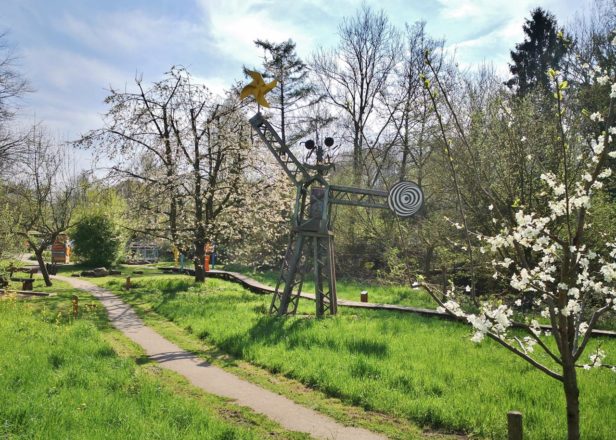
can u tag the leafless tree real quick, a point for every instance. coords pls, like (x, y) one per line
(137, 138)
(42, 194)
(13, 85)
(213, 140)
(356, 73)
(181, 149)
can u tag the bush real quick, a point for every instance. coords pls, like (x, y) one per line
(98, 240)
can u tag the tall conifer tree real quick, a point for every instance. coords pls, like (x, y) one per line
(544, 47)
(281, 61)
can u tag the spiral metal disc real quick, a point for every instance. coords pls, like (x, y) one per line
(405, 198)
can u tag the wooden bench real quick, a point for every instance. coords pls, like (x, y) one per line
(26, 283)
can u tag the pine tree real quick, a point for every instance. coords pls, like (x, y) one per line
(544, 47)
(281, 61)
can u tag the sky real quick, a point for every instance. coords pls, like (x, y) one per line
(73, 51)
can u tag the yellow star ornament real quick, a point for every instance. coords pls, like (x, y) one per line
(257, 88)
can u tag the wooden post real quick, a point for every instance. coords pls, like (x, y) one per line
(364, 296)
(75, 301)
(514, 425)
(127, 285)
(444, 280)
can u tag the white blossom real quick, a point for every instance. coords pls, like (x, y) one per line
(594, 270)
(478, 337)
(572, 307)
(529, 344)
(559, 190)
(597, 147)
(596, 116)
(605, 173)
(596, 359)
(603, 80)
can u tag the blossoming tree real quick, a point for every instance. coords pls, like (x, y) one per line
(549, 262)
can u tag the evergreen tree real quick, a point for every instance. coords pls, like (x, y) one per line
(544, 47)
(281, 61)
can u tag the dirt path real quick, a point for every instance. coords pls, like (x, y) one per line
(215, 380)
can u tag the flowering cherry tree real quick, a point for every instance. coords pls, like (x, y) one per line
(545, 256)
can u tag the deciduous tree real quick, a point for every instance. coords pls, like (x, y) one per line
(353, 76)
(13, 86)
(42, 194)
(543, 252)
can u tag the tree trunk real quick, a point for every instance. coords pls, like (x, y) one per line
(199, 237)
(39, 258)
(427, 260)
(199, 260)
(572, 394)
(357, 156)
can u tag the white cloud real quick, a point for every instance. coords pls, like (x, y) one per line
(65, 70)
(131, 32)
(462, 9)
(217, 85)
(235, 24)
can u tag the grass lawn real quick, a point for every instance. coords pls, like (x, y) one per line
(65, 378)
(411, 367)
(347, 289)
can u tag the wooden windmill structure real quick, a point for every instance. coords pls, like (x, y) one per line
(311, 240)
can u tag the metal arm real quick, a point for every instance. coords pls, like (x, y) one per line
(289, 163)
(368, 198)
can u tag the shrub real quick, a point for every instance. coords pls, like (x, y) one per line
(98, 240)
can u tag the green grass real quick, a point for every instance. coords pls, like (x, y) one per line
(350, 290)
(416, 368)
(66, 378)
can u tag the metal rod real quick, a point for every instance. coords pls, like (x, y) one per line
(358, 203)
(353, 190)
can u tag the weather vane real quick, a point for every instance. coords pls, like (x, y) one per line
(257, 88)
(311, 239)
